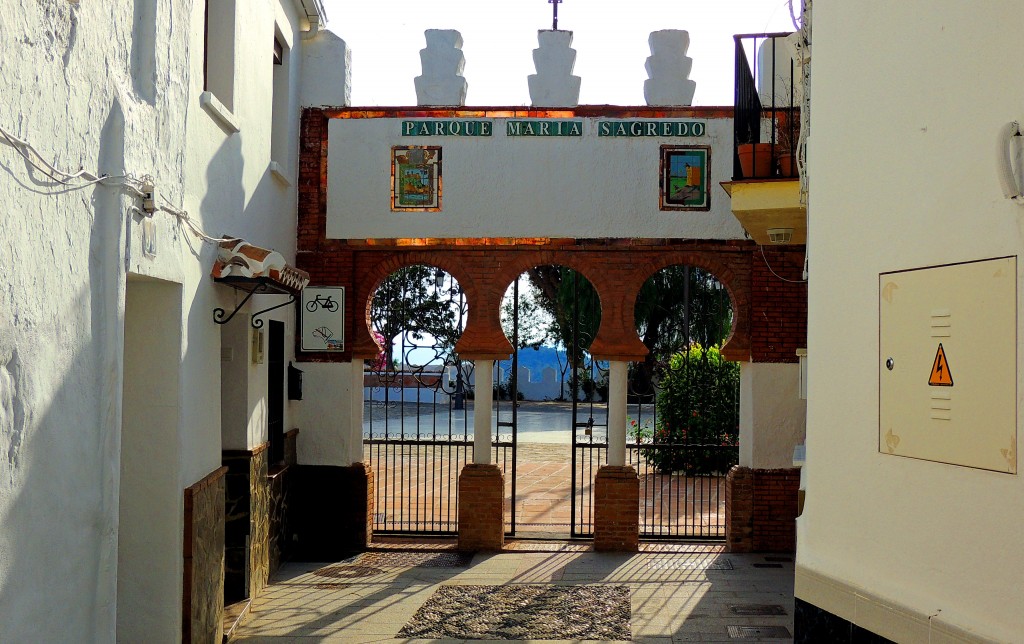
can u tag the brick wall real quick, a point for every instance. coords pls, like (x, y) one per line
(778, 307)
(616, 509)
(481, 508)
(739, 509)
(761, 509)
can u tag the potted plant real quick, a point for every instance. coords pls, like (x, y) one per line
(788, 136)
(755, 159)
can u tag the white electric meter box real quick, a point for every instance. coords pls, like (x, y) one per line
(948, 364)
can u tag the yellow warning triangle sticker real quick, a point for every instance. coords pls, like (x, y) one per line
(941, 377)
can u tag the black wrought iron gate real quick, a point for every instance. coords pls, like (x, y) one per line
(682, 455)
(418, 431)
(417, 428)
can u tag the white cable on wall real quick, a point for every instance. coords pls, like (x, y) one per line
(84, 179)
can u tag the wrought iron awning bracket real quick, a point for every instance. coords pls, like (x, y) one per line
(220, 316)
(257, 323)
(219, 313)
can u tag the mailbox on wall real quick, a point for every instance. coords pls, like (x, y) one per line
(948, 364)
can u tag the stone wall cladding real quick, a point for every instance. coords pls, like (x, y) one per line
(778, 307)
(259, 521)
(203, 553)
(616, 509)
(247, 532)
(481, 508)
(761, 509)
(485, 268)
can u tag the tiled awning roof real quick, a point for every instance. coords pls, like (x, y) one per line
(239, 263)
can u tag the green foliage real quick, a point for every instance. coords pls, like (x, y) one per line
(676, 307)
(418, 301)
(698, 406)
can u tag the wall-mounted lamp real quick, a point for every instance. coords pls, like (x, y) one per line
(780, 235)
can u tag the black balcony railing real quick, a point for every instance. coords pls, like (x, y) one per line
(767, 115)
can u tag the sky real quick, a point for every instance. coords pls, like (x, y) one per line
(610, 39)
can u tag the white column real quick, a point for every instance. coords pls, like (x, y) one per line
(483, 403)
(618, 377)
(355, 434)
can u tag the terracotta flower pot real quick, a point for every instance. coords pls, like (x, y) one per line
(787, 165)
(755, 160)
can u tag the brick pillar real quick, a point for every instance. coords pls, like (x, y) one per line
(616, 509)
(362, 515)
(775, 509)
(481, 508)
(739, 509)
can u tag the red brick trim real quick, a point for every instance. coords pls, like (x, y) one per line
(481, 508)
(761, 509)
(616, 509)
(581, 111)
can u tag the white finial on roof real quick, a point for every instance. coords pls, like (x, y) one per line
(554, 85)
(442, 82)
(668, 69)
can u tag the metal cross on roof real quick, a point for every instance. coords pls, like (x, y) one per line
(554, 5)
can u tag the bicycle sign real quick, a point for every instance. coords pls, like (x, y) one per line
(323, 318)
(322, 301)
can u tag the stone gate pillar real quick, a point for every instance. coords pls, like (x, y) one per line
(482, 483)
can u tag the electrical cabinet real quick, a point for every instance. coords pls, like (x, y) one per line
(948, 364)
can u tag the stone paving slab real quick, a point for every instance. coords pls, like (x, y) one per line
(673, 597)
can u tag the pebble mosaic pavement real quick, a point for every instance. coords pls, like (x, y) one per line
(532, 591)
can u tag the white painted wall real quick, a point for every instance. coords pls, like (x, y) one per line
(502, 186)
(149, 542)
(328, 435)
(772, 415)
(87, 92)
(908, 103)
(326, 72)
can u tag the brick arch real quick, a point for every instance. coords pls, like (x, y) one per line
(364, 345)
(524, 261)
(487, 340)
(733, 272)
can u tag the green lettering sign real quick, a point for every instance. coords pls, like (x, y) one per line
(547, 127)
(662, 129)
(458, 127)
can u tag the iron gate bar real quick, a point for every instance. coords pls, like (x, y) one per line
(419, 450)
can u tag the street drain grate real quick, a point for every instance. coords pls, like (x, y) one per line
(767, 565)
(782, 559)
(757, 609)
(759, 632)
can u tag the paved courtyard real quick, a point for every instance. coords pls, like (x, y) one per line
(532, 591)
